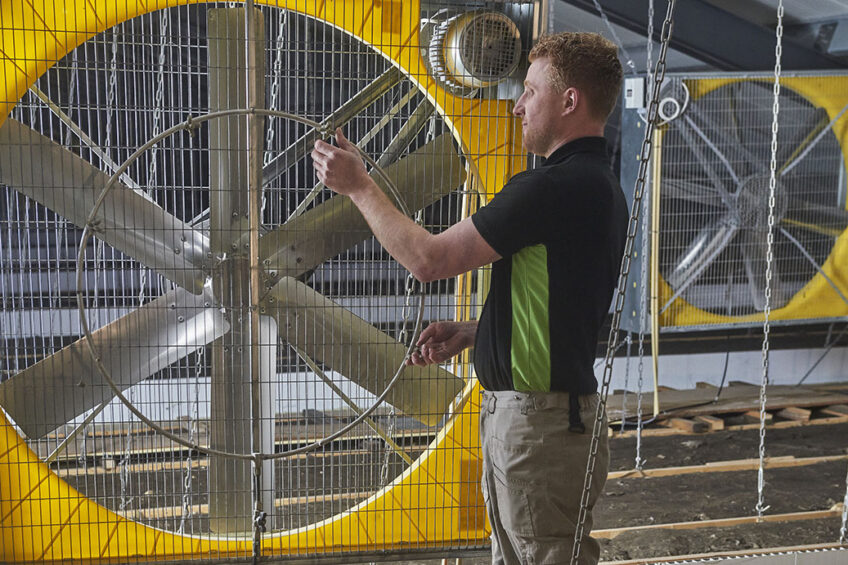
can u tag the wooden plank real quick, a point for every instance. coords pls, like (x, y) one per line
(727, 466)
(686, 425)
(729, 425)
(723, 522)
(794, 413)
(715, 424)
(163, 512)
(836, 410)
(754, 416)
(739, 398)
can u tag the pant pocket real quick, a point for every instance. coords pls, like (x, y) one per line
(514, 508)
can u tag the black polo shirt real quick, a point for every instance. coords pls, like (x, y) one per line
(560, 230)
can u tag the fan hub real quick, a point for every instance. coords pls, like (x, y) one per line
(752, 202)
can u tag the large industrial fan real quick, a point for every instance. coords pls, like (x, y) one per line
(150, 136)
(711, 177)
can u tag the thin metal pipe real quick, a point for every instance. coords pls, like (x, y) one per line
(347, 400)
(84, 137)
(71, 436)
(294, 152)
(409, 129)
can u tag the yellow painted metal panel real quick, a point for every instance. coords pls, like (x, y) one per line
(42, 518)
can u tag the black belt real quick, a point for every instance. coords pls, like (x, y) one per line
(575, 424)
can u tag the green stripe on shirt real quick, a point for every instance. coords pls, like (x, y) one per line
(531, 340)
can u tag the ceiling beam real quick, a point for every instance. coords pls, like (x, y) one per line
(714, 36)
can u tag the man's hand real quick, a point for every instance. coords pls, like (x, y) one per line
(340, 168)
(442, 340)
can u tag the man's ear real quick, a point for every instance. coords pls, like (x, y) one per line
(570, 100)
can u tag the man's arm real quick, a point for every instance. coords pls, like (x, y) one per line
(428, 257)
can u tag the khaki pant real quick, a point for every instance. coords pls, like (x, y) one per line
(533, 473)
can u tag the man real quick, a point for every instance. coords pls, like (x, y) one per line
(555, 236)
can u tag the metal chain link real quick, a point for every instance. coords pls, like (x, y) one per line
(843, 531)
(761, 508)
(629, 341)
(406, 312)
(72, 93)
(649, 48)
(639, 463)
(159, 94)
(275, 86)
(193, 423)
(633, 224)
(111, 91)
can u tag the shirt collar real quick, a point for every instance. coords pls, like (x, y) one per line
(579, 145)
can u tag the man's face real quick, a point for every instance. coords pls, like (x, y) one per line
(539, 109)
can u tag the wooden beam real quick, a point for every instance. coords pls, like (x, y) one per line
(666, 432)
(836, 410)
(163, 512)
(725, 466)
(687, 425)
(754, 415)
(795, 413)
(723, 522)
(715, 424)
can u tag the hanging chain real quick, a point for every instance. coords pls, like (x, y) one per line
(649, 48)
(633, 224)
(72, 93)
(275, 86)
(111, 91)
(409, 293)
(639, 463)
(406, 313)
(159, 94)
(843, 531)
(629, 341)
(151, 183)
(761, 508)
(193, 423)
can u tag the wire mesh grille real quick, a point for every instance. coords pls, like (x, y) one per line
(164, 280)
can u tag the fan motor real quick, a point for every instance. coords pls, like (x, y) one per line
(476, 49)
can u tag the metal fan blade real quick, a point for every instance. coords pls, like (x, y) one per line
(695, 140)
(36, 166)
(699, 255)
(354, 348)
(690, 191)
(802, 140)
(719, 126)
(754, 246)
(58, 388)
(326, 230)
(232, 157)
(816, 218)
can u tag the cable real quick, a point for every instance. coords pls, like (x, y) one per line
(624, 421)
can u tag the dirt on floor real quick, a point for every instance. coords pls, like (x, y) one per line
(638, 501)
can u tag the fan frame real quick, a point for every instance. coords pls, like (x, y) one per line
(816, 301)
(43, 519)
